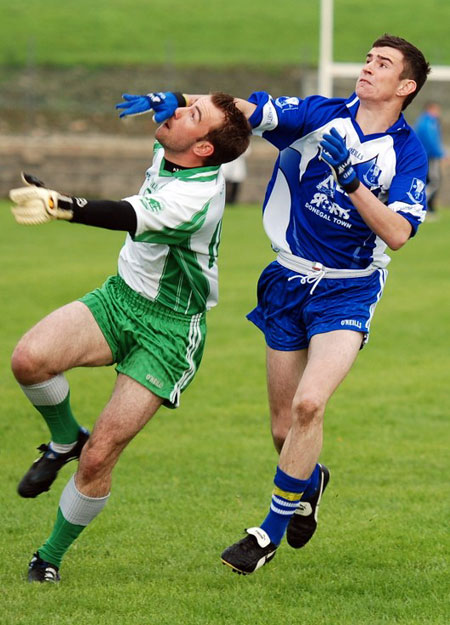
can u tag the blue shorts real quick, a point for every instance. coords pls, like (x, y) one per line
(289, 315)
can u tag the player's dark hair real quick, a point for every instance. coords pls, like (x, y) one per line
(232, 138)
(415, 65)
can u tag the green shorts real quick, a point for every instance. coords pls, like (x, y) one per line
(152, 344)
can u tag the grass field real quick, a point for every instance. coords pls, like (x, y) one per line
(110, 32)
(195, 478)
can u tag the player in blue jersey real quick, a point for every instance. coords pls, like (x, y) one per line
(349, 182)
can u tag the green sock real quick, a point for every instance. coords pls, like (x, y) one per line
(62, 536)
(75, 512)
(62, 424)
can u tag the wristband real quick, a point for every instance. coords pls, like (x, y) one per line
(351, 186)
(181, 98)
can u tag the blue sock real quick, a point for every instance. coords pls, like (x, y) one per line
(285, 499)
(313, 484)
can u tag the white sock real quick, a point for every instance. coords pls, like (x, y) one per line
(49, 393)
(77, 508)
(62, 448)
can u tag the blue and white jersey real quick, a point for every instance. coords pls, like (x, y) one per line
(305, 212)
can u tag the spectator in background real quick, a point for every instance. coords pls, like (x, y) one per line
(428, 129)
(235, 173)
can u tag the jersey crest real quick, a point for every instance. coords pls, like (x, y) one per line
(370, 173)
(287, 103)
(416, 191)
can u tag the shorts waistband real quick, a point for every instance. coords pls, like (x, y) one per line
(142, 304)
(308, 267)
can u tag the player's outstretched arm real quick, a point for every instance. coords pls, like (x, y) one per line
(35, 204)
(246, 107)
(165, 104)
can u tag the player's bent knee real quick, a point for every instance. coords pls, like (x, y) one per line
(26, 365)
(305, 410)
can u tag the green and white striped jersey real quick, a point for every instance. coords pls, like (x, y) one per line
(172, 258)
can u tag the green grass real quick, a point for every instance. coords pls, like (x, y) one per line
(194, 478)
(269, 34)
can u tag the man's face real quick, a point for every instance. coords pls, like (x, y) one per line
(189, 124)
(379, 79)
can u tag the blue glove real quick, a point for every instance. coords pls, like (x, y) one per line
(337, 156)
(164, 104)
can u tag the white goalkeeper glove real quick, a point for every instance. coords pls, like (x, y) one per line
(34, 204)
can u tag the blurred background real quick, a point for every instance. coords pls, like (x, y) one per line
(63, 66)
(192, 479)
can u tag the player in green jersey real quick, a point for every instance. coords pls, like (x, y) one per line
(149, 319)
